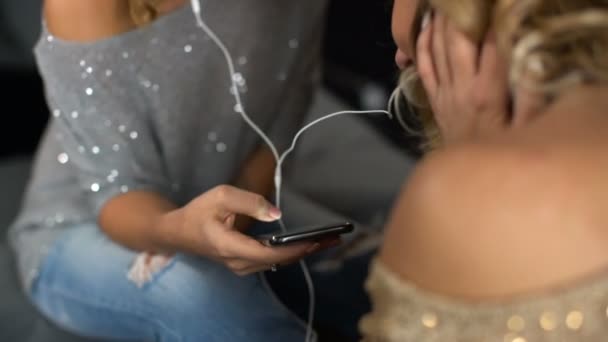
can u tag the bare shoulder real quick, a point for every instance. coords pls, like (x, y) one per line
(472, 177)
(85, 21)
(493, 220)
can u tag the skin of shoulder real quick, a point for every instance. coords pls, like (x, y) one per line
(494, 220)
(85, 21)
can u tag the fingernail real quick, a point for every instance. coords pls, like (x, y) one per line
(425, 20)
(274, 213)
(313, 248)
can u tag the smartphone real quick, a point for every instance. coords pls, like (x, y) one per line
(307, 234)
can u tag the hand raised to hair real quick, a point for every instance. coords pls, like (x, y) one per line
(466, 85)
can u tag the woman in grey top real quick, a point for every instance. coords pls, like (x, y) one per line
(143, 138)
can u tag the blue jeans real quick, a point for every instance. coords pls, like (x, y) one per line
(83, 288)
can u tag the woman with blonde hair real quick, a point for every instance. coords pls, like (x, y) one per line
(501, 232)
(146, 151)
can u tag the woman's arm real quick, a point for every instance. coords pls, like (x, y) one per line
(140, 220)
(140, 211)
(120, 166)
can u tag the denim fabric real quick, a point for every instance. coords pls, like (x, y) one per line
(83, 288)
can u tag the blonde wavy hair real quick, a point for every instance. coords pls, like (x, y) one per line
(555, 44)
(144, 11)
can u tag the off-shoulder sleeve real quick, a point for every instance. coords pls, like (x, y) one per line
(101, 113)
(403, 312)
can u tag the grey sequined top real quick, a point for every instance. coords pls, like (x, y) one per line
(152, 109)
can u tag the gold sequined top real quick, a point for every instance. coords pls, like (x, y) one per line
(402, 312)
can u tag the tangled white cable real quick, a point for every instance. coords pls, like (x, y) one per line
(280, 158)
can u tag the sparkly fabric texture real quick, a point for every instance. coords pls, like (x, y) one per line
(151, 109)
(401, 312)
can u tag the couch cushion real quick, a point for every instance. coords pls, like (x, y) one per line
(19, 320)
(14, 173)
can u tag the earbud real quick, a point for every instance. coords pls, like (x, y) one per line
(196, 6)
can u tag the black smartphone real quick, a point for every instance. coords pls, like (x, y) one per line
(307, 234)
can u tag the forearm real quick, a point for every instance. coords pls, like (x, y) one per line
(141, 221)
(146, 221)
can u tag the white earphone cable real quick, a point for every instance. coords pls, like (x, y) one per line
(235, 91)
(196, 8)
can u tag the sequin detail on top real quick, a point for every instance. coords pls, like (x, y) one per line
(403, 312)
(150, 108)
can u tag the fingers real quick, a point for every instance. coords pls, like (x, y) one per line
(489, 62)
(467, 85)
(439, 45)
(445, 54)
(230, 220)
(232, 200)
(425, 62)
(248, 255)
(492, 76)
(321, 245)
(462, 53)
(245, 247)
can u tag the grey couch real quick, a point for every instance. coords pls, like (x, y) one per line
(19, 29)
(19, 321)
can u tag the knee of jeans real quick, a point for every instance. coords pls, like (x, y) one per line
(198, 285)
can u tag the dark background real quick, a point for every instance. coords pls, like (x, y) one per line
(358, 55)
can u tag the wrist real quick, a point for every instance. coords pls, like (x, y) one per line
(165, 231)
